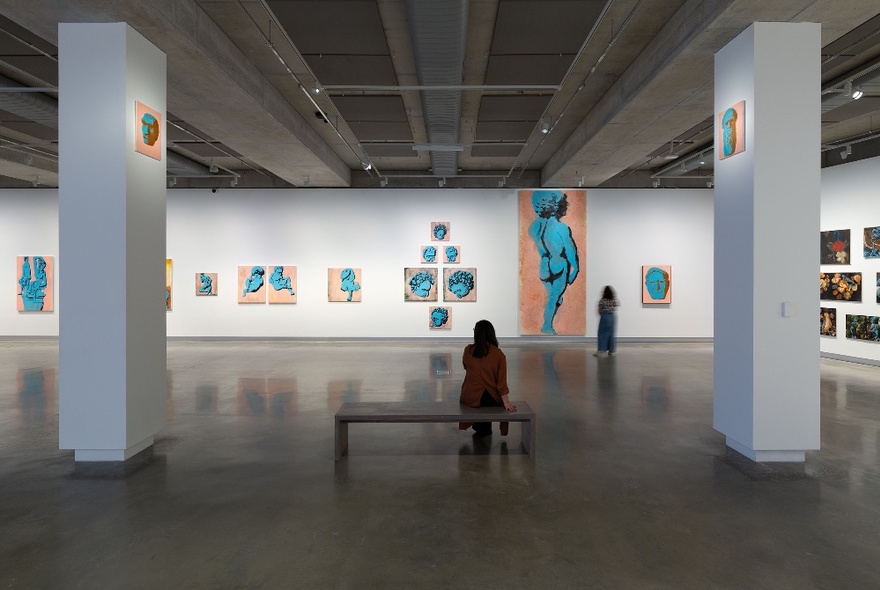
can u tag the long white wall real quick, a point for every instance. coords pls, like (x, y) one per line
(850, 201)
(381, 231)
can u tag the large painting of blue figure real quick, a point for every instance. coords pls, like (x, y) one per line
(459, 284)
(420, 284)
(206, 284)
(251, 284)
(35, 283)
(344, 284)
(552, 248)
(282, 284)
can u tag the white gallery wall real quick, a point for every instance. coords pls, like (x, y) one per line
(851, 200)
(381, 232)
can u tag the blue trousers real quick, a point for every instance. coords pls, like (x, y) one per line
(607, 327)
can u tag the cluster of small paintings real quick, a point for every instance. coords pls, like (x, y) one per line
(656, 284)
(254, 287)
(35, 283)
(834, 249)
(431, 254)
(423, 283)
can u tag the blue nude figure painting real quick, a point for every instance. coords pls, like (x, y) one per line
(439, 318)
(251, 284)
(732, 130)
(429, 254)
(452, 254)
(35, 279)
(206, 284)
(344, 284)
(420, 284)
(459, 284)
(552, 244)
(440, 231)
(282, 284)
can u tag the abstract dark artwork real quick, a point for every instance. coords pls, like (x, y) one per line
(35, 280)
(863, 327)
(834, 247)
(552, 246)
(420, 284)
(872, 242)
(828, 321)
(840, 286)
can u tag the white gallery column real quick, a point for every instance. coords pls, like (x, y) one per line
(766, 243)
(112, 369)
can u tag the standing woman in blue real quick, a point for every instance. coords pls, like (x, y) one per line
(607, 322)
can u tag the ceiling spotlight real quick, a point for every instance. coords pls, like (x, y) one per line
(213, 169)
(656, 183)
(670, 155)
(580, 182)
(858, 93)
(316, 89)
(702, 162)
(844, 154)
(442, 183)
(233, 182)
(383, 182)
(366, 164)
(709, 184)
(545, 126)
(172, 181)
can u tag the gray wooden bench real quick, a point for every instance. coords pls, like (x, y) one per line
(414, 412)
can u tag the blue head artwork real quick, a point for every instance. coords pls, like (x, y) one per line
(279, 281)
(451, 254)
(728, 131)
(429, 254)
(439, 317)
(33, 291)
(657, 283)
(440, 231)
(461, 282)
(420, 283)
(348, 284)
(559, 264)
(207, 287)
(149, 129)
(254, 283)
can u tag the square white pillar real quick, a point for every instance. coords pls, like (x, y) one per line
(766, 380)
(112, 368)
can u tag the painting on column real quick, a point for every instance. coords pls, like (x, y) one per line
(863, 327)
(656, 284)
(429, 254)
(552, 254)
(840, 286)
(251, 284)
(440, 231)
(169, 278)
(148, 123)
(459, 284)
(206, 284)
(440, 318)
(344, 284)
(827, 321)
(35, 276)
(834, 247)
(282, 284)
(420, 284)
(872, 242)
(452, 254)
(732, 130)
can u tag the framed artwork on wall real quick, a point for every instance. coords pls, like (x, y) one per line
(147, 135)
(552, 255)
(863, 327)
(840, 286)
(827, 321)
(732, 130)
(344, 284)
(429, 254)
(169, 284)
(282, 284)
(251, 284)
(656, 284)
(206, 284)
(459, 284)
(440, 231)
(420, 284)
(35, 282)
(834, 247)
(871, 242)
(452, 254)
(440, 318)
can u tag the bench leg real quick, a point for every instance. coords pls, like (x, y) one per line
(341, 438)
(528, 437)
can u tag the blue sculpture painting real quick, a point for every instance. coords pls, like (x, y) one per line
(33, 281)
(460, 285)
(254, 283)
(440, 231)
(439, 318)
(451, 254)
(559, 266)
(279, 281)
(871, 245)
(250, 284)
(420, 284)
(348, 282)
(207, 284)
(429, 254)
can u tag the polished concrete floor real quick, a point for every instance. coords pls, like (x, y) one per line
(631, 486)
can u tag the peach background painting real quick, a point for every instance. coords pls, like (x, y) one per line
(447, 325)
(282, 296)
(740, 109)
(214, 284)
(448, 295)
(154, 151)
(169, 284)
(334, 282)
(646, 297)
(571, 317)
(49, 291)
(244, 272)
(408, 294)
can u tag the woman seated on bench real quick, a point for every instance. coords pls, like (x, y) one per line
(485, 380)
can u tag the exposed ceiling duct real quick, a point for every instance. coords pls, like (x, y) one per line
(33, 106)
(438, 31)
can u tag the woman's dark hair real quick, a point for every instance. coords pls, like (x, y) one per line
(484, 335)
(609, 292)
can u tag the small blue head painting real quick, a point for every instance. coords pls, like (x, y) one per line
(429, 254)
(439, 318)
(451, 254)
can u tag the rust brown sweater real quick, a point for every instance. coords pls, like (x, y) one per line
(488, 373)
